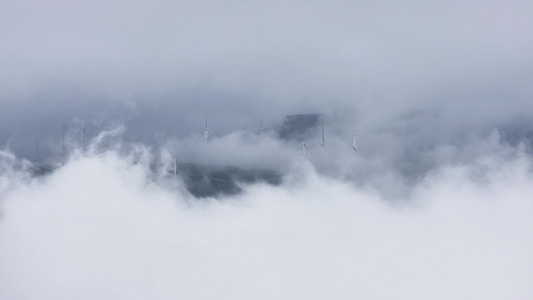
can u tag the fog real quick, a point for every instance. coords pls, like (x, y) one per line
(105, 226)
(162, 67)
(435, 203)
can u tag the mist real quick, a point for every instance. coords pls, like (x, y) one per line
(163, 67)
(105, 226)
(435, 203)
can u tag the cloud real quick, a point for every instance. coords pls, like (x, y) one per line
(434, 204)
(102, 227)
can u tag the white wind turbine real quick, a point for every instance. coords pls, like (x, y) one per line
(261, 130)
(354, 146)
(63, 142)
(82, 133)
(176, 165)
(323, 139)
(206, 132)
(37, 150)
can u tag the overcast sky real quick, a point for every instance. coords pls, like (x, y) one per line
(163, 66)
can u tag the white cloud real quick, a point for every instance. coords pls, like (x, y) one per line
(99, 227)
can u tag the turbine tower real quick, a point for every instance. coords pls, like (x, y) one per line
(354, 146)
(63, 141)
(176, 165)
(403, 130)
(261, 130)
(323, 139)
(305, 149)
(82, 133)
(37, 150)
(206, 132)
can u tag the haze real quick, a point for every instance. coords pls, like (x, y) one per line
(436, 203)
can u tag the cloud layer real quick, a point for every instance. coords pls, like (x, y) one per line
(102, 227)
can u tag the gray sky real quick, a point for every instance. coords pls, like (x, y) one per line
(415, 74)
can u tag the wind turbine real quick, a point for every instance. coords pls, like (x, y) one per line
(176, 165)
(82, 133)
(323, 139)
(36, 150)
(261, 131)
(354, 146)
(305, 149)
(63, 141)
(206, 132)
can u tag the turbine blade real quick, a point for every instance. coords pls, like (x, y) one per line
(308, 149)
